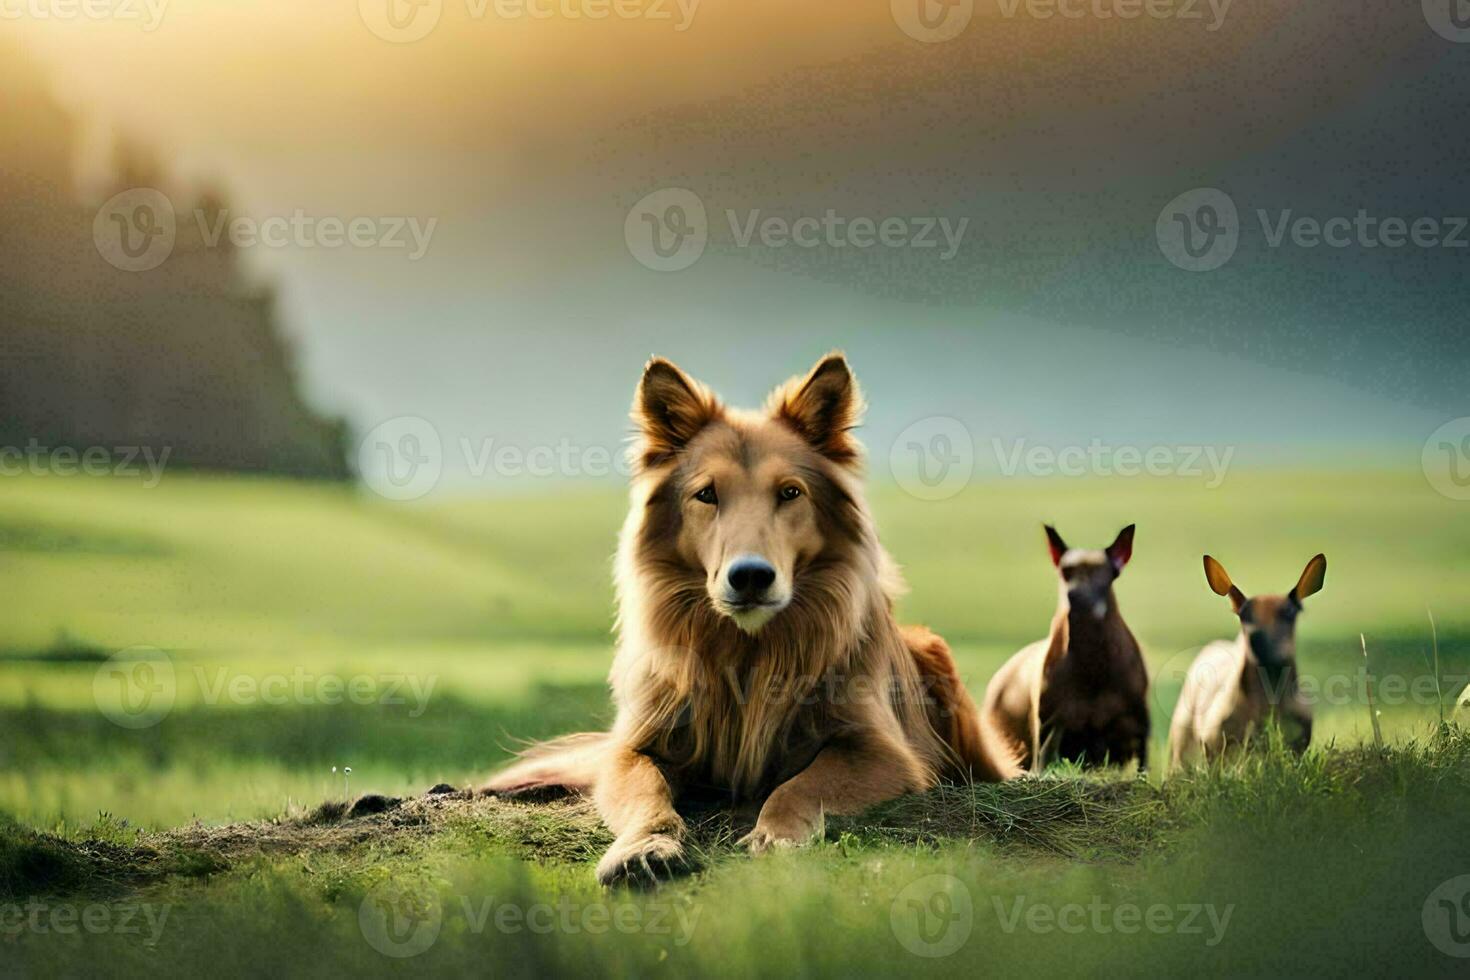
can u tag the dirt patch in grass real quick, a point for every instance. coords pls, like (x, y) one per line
(389, 823)
(37, 864)
(1070, 817)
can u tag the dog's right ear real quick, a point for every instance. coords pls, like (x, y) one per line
(1311, 581)
(669, 409)
(1120, 552)
(1055, 543)
(1219, 580)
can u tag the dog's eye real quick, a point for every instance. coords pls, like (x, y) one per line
(790, 493)
(707, 495)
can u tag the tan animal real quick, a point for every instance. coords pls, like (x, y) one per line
(758, 654)
(1082, 693)
(1234, 688)
(1461, 714)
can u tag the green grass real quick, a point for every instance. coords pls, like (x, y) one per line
(490, 619)
(1272, 867)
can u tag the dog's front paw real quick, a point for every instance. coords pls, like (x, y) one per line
(642, 861)
(780, 827)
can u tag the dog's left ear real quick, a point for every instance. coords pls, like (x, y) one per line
(824, 408)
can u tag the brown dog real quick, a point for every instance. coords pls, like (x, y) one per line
(758, 654)
(1081, 694)
(1232, 689)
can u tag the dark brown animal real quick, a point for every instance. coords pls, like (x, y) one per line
(1081, 694)
(1234, 688)
(758, 654)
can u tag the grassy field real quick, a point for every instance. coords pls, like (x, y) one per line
(287, 629)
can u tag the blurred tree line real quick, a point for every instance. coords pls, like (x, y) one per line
(187, 356)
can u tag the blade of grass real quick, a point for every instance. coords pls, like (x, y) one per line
(1438, 694)
(1368, 686)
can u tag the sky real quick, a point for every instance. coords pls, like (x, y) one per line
(987, 224)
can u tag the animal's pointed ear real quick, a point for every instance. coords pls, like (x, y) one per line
(823, 407)
(669, 409)
(1219, 580)
(1121, 550)
(1311, 581)
(1055, 543)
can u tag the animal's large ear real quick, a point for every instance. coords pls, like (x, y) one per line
(1121, 550)
(1219, 580)
(669, 409)
(824, 408)
(1311, 581)
(1056, 544)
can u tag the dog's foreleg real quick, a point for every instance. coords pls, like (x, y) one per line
(1033, 721)
(637, 804)
(844, 778)
(1038, 748)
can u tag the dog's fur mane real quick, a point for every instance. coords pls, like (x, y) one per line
(702, 695)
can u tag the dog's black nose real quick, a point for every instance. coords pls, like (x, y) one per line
(750, 577)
